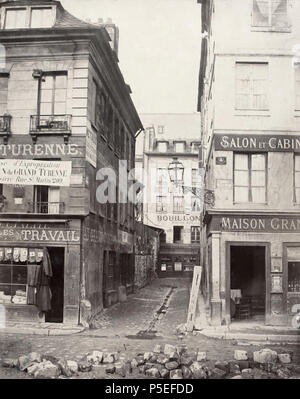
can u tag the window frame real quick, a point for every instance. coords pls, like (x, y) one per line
(251, 94)
(249, 170)
(270, 26)
(161, 206)
(52, 74)
(296, 200)
(181, 210)
(28, 13)
(196, 231)
(297, 80)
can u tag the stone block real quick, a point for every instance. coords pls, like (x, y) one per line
(217, 373)
(201, 356)
(153, 372)
(169, 349)
(186, 372)
(95, 357)
(176, 375)
(240, 355)
(171, 365)
(265, 356)
(284, 358)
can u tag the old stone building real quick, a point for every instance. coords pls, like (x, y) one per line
(66, 113)
(249, 99)
(167, 206)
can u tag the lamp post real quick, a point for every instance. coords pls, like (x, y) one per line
(176, 173)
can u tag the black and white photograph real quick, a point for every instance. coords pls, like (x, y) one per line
(149, 193)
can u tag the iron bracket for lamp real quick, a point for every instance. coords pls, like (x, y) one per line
(207, 196)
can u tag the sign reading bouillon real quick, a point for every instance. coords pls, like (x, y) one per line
(263, 143)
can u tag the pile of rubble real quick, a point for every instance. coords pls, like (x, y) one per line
(168, 362)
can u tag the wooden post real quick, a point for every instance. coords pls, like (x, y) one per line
(194, 298)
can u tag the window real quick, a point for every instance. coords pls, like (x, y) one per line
(110, 124)
(250, 178)
(270, 14)
(160, 129)
(15, 18)
(53, 94)
(195, 234)
(195, 178)
(162, 146)
(94, 99)
(195, 148)
(177, 234)
(41, 17)
(161, 176)
(196, 204)
(180, 147)
(293, 256)
(161, 204)
(251, 86)
(47, 200)
(178, 204)
(109, 260)
(297, 178)
(297, 87)
(3, 92)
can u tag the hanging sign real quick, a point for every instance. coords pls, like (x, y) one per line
(33, 172)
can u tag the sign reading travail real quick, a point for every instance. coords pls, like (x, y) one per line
(33, 172)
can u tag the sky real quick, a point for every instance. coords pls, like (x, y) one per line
(159, 49)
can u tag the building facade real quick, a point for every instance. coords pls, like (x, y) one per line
(66, 113)
(166, 206)
(249, 101)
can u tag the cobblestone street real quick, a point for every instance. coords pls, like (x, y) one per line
(129, 328)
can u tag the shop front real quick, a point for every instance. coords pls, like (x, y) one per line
(40, 270)
(177, 260)
(252, 267)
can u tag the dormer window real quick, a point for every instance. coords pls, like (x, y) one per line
(15, 18)
(28, 17)
(180, 147)
(41, 17)
(162, 146)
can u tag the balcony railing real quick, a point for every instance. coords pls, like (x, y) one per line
(5, 126)
(50, 124)
(54, 208)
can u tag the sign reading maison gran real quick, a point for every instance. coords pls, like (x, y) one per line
(273, 224)
(233, 142)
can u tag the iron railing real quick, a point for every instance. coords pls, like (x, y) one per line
(54, 208)
(50, 123)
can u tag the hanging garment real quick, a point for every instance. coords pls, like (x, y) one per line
(33, 273)
(31, 256)
(16, 255)
(31, 295)
(39, 253)
(47, 267)
(8, 254)
(1, 254)
(43, 294)
(23, 254)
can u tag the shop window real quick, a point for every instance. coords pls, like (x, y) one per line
(195, 178)
(177, 234)
(297, 87)
(47, 200)
(41, 17)
(270, 14)
(161, 204)
(3, 98)
(297, 178)
(53, 93)
(251, 86)
(293, 256)
(195, 234)
(178, 266)
(250, 178)
(19, 274)
(15, 18)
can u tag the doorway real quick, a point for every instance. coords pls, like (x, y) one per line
(248, 282)
(56, 314)
(177, 234)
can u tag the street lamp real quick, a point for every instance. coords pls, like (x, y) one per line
(176, 172)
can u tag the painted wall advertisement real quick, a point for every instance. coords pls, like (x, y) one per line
(33, 172)
(91, 147)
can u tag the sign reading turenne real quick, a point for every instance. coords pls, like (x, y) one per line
(233, 142)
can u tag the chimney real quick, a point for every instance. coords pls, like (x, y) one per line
(113, 32)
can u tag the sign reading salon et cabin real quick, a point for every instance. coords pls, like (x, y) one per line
(263, 143)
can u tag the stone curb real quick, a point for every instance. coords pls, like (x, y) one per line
(272, 338)
(41, 331)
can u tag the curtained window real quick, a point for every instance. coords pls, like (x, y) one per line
(270, 13)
